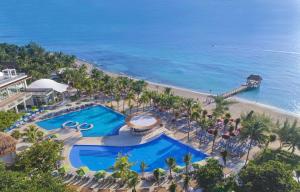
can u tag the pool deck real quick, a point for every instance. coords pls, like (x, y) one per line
(72, 137)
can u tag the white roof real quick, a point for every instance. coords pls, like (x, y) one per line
(49, 84)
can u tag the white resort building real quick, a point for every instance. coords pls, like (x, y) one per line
(46, 91)
(12, 90)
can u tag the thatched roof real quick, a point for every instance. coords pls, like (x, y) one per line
(7, 144)
(255, 77)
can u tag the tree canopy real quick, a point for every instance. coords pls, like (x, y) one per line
(7, 119)
(272, 176)
(21, 182)
(33, 59)
(40, 157)
(209, 175)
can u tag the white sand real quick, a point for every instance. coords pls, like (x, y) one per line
(241, 105)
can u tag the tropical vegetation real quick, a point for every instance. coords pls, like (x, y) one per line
(8, 118)
(32, 170)
(128, 95)
(41, 157)
(33, 60)
(271, 176)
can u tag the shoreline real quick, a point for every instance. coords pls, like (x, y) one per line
(241, 106)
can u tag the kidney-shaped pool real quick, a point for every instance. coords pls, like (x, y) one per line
(153, 153)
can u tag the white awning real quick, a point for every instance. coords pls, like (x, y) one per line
(48, 84)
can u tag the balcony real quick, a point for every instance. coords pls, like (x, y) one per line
(14, 100)
(7, 81)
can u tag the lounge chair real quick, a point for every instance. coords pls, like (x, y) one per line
(144, 190)
(104, 190)
(121, 190)
(86, 189)
(160, 189)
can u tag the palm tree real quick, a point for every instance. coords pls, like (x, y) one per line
(167, 91)
(270, 139)
(122, 167)
(33, 134)
(255, 127)
(172, 187)
(129, 98)
(293, 141)
(96, 74)
(222, 106)
(188, 106)
(224, 155)
(89, 86)
(237, 122)
(187, 159)
(215, 134)
(143, 167)
(204, 113)
(133, 181)
(196, 115)
(144, 99)
(283, 132)
(171, 162)
(157, 175)
(186, 182)
(117, 98)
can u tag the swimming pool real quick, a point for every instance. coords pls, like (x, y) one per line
(152, 153)
(106, 121)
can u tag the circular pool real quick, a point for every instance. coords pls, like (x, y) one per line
(142, 123)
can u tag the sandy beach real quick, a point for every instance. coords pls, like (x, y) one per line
(239, 107)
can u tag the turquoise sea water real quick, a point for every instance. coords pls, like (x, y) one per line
(154, 153)
(198, 44)
(106, 122)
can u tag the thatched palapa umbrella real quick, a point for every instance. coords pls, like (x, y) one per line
(7, 144)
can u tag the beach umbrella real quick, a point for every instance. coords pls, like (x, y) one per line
(100, 174)
(64, 169)
(82, 171)
(226, 136)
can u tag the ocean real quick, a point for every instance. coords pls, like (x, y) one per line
(203, 45)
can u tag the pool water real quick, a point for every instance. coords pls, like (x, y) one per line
(106, 121)
(153, 153)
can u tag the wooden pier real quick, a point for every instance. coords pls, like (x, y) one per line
(234, 91)
(253, 81)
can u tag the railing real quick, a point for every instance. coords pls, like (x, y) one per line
(14, 100)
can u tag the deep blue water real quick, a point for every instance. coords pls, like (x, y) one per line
(198, 44)
(153, 153)
(106, 122)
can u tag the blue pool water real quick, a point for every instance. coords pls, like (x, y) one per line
(152, 153)
(198, 44)
(106, 121)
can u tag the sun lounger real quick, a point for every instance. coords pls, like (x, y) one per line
(144, 190)
(121, 190)
(86, 189)
(160, 189)
(104, 190)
